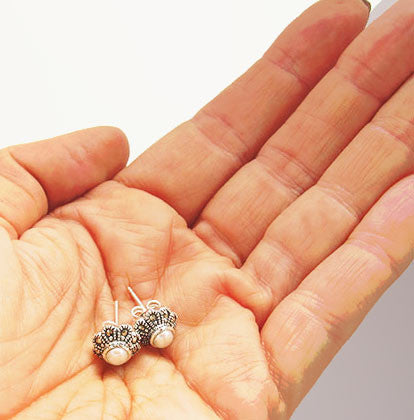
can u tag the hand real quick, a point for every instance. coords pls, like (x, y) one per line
(270, 255)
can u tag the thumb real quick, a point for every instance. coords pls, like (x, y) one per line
(37, 177)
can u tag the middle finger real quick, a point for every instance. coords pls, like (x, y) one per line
(367, 74)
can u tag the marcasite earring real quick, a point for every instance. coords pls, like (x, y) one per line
(116, 344)
(155, 324)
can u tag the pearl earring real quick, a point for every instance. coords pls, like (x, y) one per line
(155, 324)
(116, 344)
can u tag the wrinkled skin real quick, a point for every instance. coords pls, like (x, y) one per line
(271, 259)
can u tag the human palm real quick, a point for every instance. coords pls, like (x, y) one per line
(271, 256)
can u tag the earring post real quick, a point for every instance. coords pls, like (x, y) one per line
(116, 312)
(136, 298)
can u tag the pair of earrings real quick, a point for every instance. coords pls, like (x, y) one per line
(155, 326)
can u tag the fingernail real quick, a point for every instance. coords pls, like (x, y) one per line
(368, 4)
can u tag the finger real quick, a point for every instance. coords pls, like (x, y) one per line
(321, 219)
(39, 176)
(368, 72)
(306, 330)
(187, 166)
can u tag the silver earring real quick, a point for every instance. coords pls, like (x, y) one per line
(116, 344)
(155, 324)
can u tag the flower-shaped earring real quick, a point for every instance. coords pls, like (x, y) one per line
(155, 324)
(116, 344)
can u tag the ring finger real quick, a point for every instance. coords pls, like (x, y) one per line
(294, 158)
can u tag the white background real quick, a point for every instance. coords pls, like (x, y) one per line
(147, 66)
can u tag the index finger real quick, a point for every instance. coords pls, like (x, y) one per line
(191, 163)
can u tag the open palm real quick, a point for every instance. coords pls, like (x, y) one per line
(271, 223)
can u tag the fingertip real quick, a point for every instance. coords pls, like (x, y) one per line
(92, 156)
(318, 36)
(95, 153)
(367, 4)
(114, 142)
(69, 165)
(348, 17)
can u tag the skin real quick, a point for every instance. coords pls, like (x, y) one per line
(271, 222)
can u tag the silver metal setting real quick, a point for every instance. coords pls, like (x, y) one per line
(154, 320)
(113, 336)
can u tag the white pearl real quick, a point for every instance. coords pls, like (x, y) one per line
(117, 356)
(163, 339)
